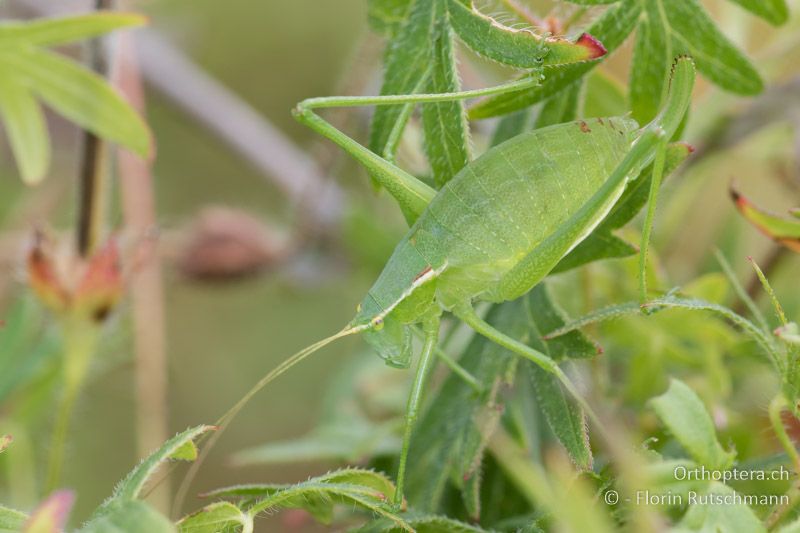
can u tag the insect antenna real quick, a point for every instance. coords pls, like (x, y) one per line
(225, 420)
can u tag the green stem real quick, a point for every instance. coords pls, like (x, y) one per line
(652, 203)
(80, 341)
(414, 399)
(59, 439)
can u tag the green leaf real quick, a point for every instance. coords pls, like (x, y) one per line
(445, 123)
(358, 488)
(51, 515)
(11, 520)
(130, 488)
(215, 518)
(679, 27)
(686, 417)
(387, 16)
(132, 516)
(716, 57)
(25, 126)
(611, 29)
(517, 48)
(58, 31)
(721, 514)
(566, 420)
(406, 64)
(665, 30)
(783, 230)
(774, 11)
(653, 54)
(78, 94)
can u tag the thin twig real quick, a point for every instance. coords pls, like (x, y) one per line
(91, 188)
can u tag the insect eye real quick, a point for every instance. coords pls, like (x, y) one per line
(377, 324)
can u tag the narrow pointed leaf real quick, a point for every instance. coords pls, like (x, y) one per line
(775, 12)
(25, 126)
(131, 487)
(445, 123)
(684, 414)
(517, 48)
(63, 30)
(79, 95)
(407, 60)
(566, 420)
(611, 29)
(693, 32)
(653, 54)
(783, 230)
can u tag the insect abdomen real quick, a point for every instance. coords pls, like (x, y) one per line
(510, 199)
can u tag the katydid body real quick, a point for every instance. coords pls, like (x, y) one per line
(494, 230)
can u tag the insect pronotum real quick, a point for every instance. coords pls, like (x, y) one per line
(495, 230)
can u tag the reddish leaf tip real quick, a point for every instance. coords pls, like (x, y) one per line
(594, 47)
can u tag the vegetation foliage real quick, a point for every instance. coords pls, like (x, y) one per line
(519, 417)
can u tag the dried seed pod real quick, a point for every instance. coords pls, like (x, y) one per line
(226, 244)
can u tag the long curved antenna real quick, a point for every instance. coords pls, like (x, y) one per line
(225, 420)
